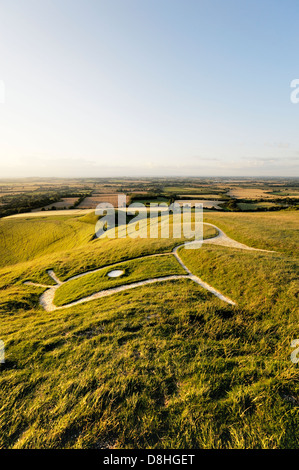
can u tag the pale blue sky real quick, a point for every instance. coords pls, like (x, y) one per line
(149, 87)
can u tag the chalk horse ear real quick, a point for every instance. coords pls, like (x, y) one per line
(53, 276)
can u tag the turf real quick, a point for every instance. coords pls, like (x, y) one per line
(25, 239)
(270, 231)
(164, 366)
(135, 270)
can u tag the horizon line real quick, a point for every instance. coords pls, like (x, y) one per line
(146, 177)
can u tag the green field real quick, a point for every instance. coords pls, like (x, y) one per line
(251, 206)
(166, 365)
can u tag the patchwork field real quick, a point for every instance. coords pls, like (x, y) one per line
(92, 201)
(255, 193)
(232, 194)
(65, 203)
(199, 196)
(206, 204)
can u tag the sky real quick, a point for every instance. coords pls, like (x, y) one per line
(148, 88)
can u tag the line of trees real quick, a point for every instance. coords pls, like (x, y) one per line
(27, 201)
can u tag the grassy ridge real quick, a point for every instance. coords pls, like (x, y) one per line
(71, 238)
(270, 231)
(66, 261)
(25, 239)
(135, 270)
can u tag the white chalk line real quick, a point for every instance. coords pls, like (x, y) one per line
(47, 298)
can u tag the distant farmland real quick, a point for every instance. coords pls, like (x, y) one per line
(66, 203)
(91, 202)
(253, 193)
(206, 204)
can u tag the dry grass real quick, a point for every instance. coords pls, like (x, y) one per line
(254, 193)
(249, 193)
(165, 366)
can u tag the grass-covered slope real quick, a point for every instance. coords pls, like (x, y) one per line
(25, 239)
(277, 231)
(88, 254)
(165, 365)
(272, 283)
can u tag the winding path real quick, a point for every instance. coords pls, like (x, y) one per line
(47, 298)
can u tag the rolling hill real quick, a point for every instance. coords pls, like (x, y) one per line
(165, 365)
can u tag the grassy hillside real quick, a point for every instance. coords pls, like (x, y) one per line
(88, 255)
(272, 284)
(25, 239)
(270, 231)
(164, 365)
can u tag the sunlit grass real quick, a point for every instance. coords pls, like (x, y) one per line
(164, 366)
(135, 270)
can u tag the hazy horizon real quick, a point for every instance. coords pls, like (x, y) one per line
(142, 176)
(166, 88)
